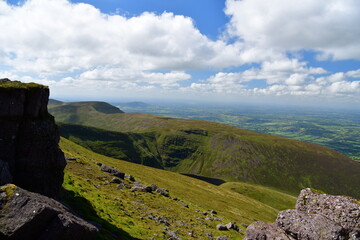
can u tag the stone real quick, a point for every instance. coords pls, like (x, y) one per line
(309, 226)
(29, 139)
(262, 231)
(213, 212)
(317, 216)
(116, 180)
(342, 210)
(130, 177)
(233, 226)
(222, 238)
(221, 227)
(163, 192)
(27, 215)
(173, 235)
(113, 171)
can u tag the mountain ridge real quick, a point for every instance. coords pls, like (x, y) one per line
(215, 150)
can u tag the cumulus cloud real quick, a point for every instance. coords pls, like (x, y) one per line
(119, 75)
(76, 47)
(55, 36)
(287, 77)
(328, 26)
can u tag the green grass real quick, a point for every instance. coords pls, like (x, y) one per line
(212, 150)
(19, 85)
(114, 208)
(271, 197)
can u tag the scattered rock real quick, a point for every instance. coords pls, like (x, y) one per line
(209, 236)
(130, 177)
(173, 235)
(317, 216)
(153, 187)
(116, 180)
(232, 225)
(213, 212)
(27, 215)
(222, 238)
(113, 171)
(98, 163)
(221, 227)
(163, 192)
(71, 159)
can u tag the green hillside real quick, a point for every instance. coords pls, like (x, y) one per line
(142, 215)
(212, 150)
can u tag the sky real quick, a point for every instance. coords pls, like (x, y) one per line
(302, 52)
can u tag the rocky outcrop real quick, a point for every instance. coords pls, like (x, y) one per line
(27, 215)
(317, 216)
(29, 152)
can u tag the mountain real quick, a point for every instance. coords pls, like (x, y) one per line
(69, 112)
(210, 149)
(191, 208)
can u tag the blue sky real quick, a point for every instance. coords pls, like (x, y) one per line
(281, 51)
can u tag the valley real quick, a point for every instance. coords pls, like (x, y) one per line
(208, 149)
(334, 128)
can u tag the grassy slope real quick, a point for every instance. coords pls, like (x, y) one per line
(221, 151)
(271, 197)
(128, 211)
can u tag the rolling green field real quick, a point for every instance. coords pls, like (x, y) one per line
(336, 129)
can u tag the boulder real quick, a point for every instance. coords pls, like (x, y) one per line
(317, 216)
(29, 139)
(221, 227)
(27, 215)
(116, 180)
(262, 231)
(130, 177)
(113, 171)
(232, 225)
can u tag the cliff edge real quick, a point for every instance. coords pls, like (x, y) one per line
(29, 153)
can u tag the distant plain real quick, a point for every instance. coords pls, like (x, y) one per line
(338, 129)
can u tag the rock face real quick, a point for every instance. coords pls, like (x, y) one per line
(29, 152)
(317, 216)
(26, 215)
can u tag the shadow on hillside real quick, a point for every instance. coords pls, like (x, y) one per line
(214, 181)
(83, 208)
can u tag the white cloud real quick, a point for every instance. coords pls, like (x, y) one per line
(284, 78)
(51, 37)
(328, 26)
(119, 75)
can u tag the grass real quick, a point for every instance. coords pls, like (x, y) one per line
(130, 211)
(271, 197)
(211, 150)
(19, 85)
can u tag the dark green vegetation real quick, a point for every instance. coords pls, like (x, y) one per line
(336, 129)
(138, 214)
(210, 149)
(19, 85)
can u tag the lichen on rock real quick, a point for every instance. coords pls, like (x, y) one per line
(317, 216)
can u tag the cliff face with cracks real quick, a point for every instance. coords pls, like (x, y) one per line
(29, 152)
